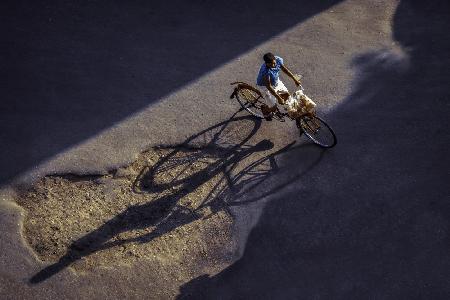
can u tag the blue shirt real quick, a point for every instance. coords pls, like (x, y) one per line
(274, 73)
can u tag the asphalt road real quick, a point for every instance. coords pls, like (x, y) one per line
(71, 70)
(367, 219)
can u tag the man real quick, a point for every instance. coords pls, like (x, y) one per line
(269, 77)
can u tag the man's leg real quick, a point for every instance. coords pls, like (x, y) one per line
(282, 90)
(267, 110)
(272, 101)
(271, 106)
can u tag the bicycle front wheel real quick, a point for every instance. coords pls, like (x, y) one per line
(318, 131)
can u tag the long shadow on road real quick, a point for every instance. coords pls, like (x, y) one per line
(239, 171)
(71, 69)
(372, 220)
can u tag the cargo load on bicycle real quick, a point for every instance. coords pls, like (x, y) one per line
(299, 104)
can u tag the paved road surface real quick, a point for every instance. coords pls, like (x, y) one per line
(367, 219)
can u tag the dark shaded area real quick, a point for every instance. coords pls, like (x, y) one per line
(372, 220)
(220, 149)
(70, 69)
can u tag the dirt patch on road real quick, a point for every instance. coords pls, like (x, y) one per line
(164, 208)
(170, 211)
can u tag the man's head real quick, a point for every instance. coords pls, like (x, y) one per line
(269, 59)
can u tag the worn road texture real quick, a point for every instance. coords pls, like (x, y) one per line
(128, 173)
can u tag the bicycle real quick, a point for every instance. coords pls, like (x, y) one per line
(315, 128)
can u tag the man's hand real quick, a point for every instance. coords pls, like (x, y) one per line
(296, 79)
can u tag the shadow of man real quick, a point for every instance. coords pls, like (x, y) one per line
(212, 141)
(164, 213)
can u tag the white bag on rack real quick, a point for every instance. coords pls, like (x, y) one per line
(299, 104)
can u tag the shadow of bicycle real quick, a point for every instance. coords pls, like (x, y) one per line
(210, 172)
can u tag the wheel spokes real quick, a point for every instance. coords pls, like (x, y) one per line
(250, 100)
(318, 131)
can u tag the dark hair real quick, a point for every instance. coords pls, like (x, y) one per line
(269, 57)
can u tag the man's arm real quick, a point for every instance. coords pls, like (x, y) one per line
(272, 90)
(289, 73)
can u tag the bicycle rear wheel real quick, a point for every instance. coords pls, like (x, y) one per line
(318, 131)
(249, 99)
